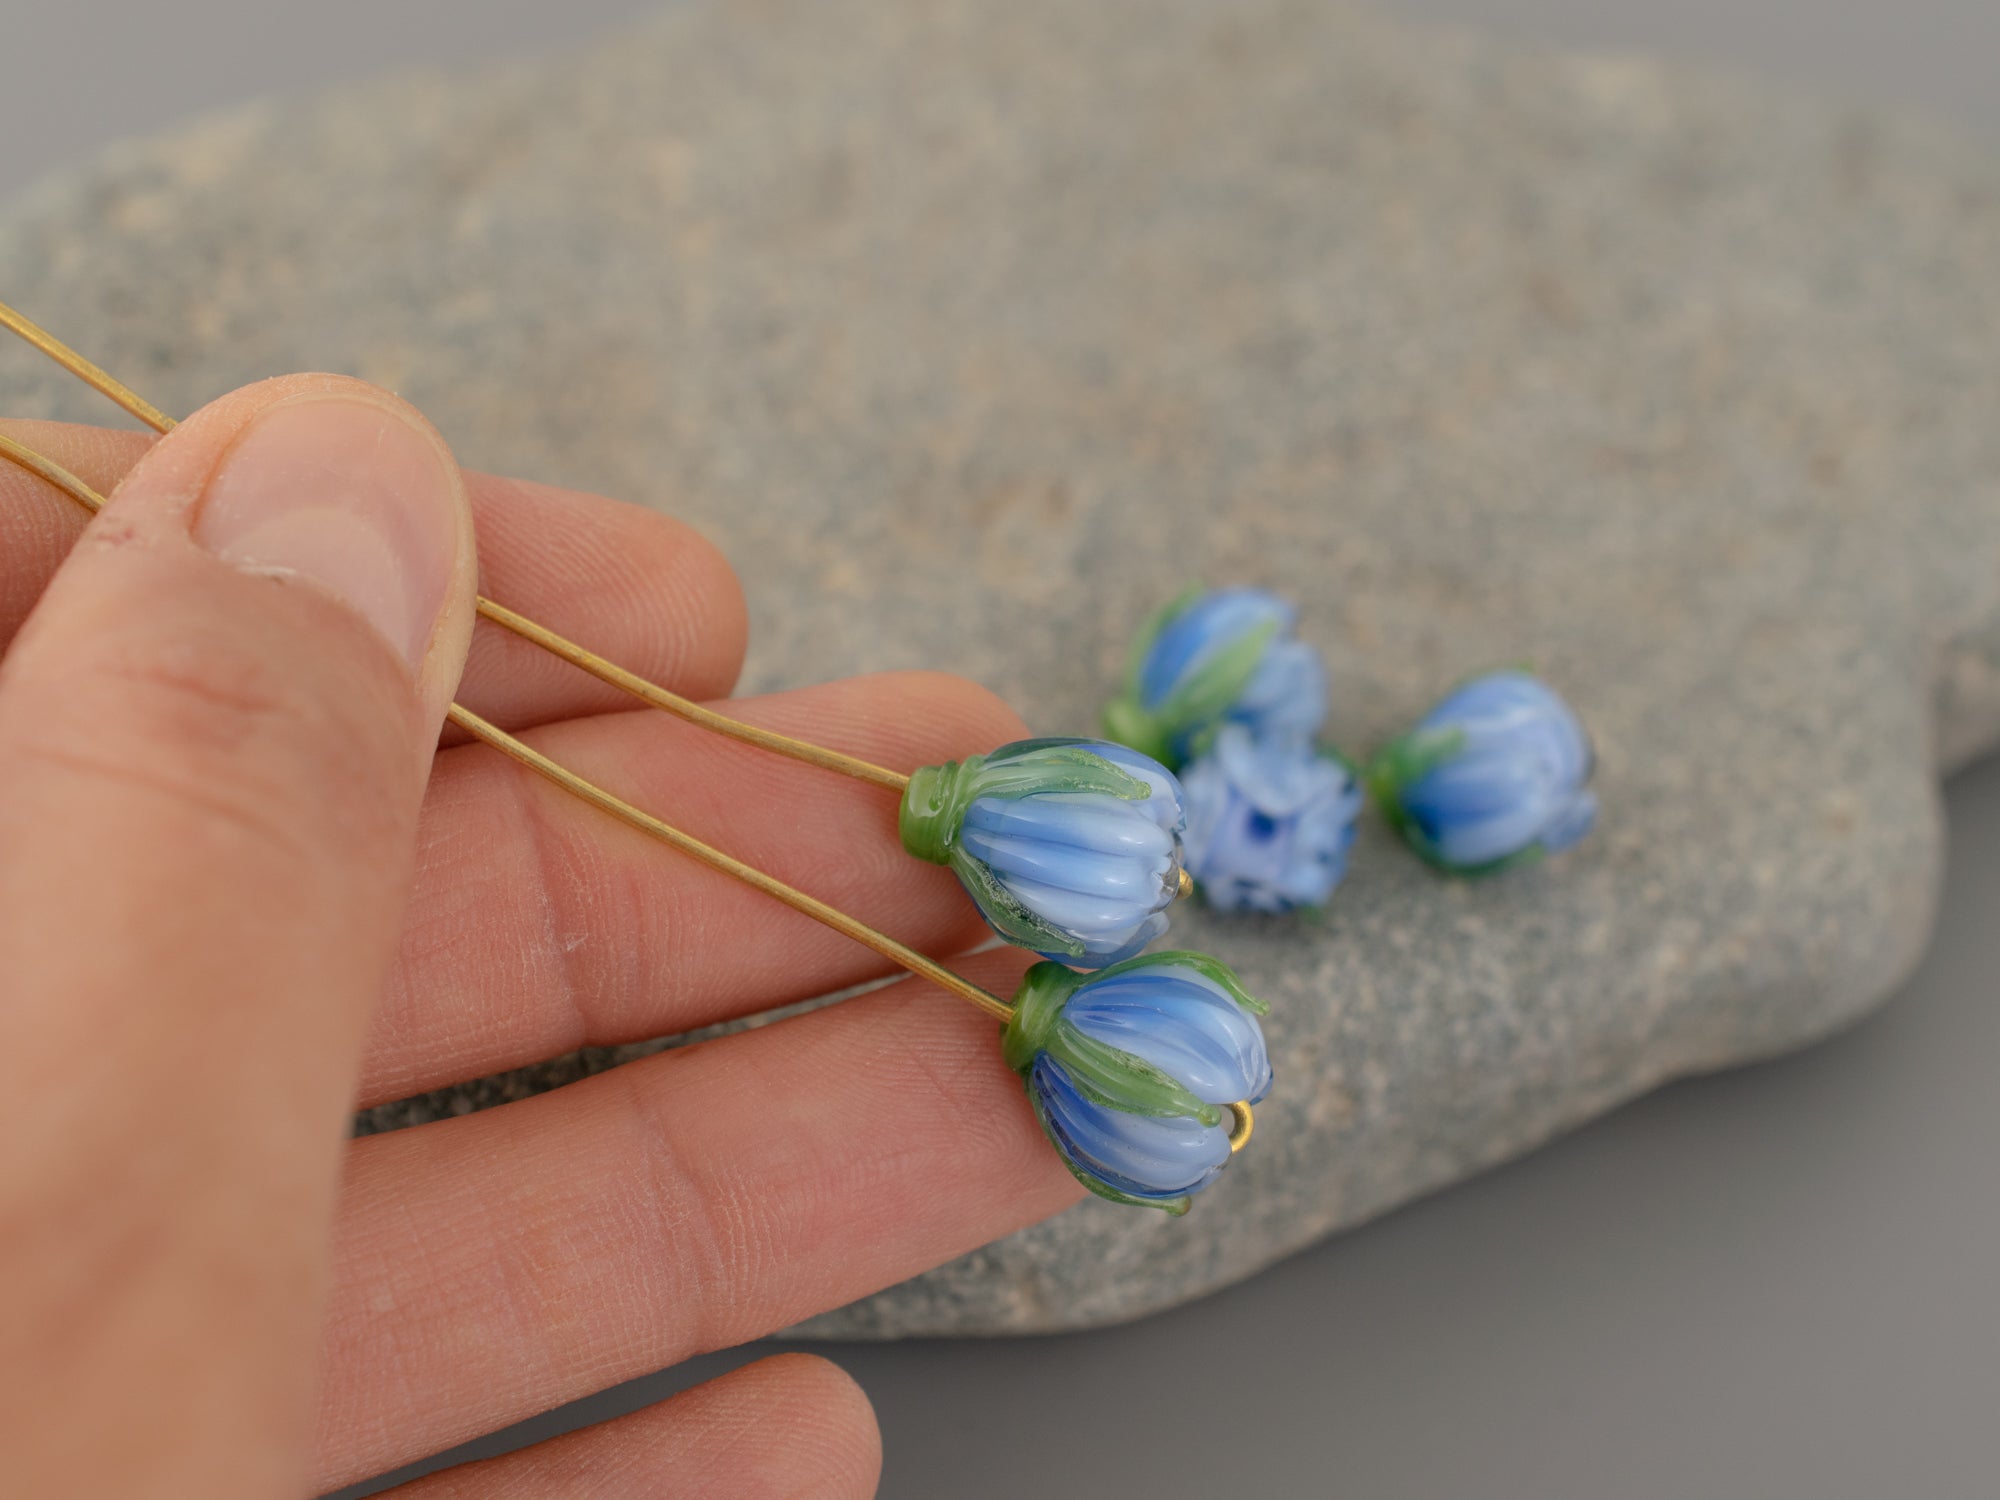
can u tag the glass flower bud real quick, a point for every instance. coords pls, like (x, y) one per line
(1070, 848)
(1270, 823)
(1133, 1072)
(1497, 773)
(1230, 655)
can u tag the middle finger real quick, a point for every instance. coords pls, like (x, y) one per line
(539, 925)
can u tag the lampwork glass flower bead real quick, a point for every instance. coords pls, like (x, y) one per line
(1133, 1071)
(1270, 823)
(1070, 848)
(1497, 773)
(1230, 655)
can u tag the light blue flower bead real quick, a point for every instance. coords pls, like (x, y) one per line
(1497, 773)
(1070, 848)
(1227, 656)
(1270, 823)
(1141, 1075)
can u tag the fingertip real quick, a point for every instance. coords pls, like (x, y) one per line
(835, 1439)
(722, 624)
(642, 588)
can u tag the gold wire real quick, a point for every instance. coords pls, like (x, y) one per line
(687, 708)
(48, 469)
(84, 370)
(603, 670)
(1243, 1120)
(798, 900)
(1242, 1126)
(917, 963)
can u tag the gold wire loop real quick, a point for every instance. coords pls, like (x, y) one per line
(1243, 1127)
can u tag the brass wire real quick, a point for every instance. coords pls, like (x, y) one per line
(1243, 1120)
(686, 708)
(51, 471)
(603, 670)
(645, 822)
(900, 953)
(84, 370)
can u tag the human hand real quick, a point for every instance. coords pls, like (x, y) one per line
(238, 896)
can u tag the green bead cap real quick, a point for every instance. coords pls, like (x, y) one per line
(935, 803)
(1196, 706)
(1106, 1075)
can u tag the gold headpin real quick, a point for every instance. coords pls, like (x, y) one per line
(900, 953)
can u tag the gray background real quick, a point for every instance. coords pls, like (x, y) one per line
(1774, 1282)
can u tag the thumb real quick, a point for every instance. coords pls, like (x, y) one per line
(214, 735)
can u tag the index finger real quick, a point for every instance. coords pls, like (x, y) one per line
(641, 588)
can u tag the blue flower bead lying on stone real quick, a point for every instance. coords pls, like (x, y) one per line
(1227, 656)
(1133, 1071)
(1270, 823)
(1497, 773)
(1071, 848)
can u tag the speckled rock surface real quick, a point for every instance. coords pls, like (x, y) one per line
(1686, 394)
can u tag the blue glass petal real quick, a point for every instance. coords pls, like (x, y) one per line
(1183, 1024)
(1517, 710)
(1133, 878)
(1100, 953)
(1085, 915)
(1211, 622)
(1269, 824)
(1103, 825)
(1144, 1156)
(1470, 841)
(1517, 780)
(1483, 783)
(1165, 805)
(1278, 777)
(1286, 695)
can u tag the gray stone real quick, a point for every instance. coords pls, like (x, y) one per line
(1686, 393)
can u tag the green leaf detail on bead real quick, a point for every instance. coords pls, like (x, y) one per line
(1105, 1074)
(1129, 724)
(1219, 973)
(1210, 968)
(1117, 1080)
(1039, 766)
(1198, 704)
(1125, 719)
(1212, 689)
(1402, 762)
(1408, 760)
(1006, 915)
(936, 801)
(1159, 620)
